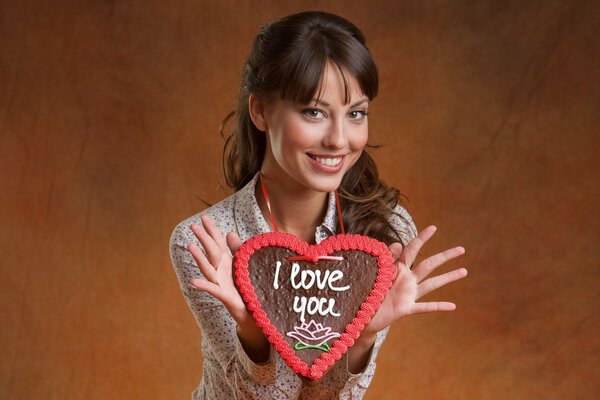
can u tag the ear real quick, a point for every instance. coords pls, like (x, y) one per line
(257, 111)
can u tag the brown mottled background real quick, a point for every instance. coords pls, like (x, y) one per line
(490, 116)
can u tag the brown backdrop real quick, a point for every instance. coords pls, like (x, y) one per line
(489, 113)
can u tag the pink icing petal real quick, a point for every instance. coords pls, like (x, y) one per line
(330, 336)
(300, 334)
(305, 332)
(312, 334)
(312, 325)
(321, 332)
(305, 340)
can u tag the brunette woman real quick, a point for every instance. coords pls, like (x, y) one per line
(301, 126)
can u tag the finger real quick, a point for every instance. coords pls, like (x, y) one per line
(206, 268)
(213, 252)
(433, 306)
(412, 248)
(209, 287)
(438, 281)
(429, 264)
(396, 250)
(214, 231)
(233, 242)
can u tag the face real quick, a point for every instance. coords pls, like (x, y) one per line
(311, 147)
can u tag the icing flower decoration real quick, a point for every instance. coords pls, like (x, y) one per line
(312, 336)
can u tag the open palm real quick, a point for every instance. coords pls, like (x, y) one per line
(410, 285)
(216, 266)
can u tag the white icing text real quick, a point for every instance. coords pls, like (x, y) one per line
(306, 279)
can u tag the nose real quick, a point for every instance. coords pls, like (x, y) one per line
(336, 135)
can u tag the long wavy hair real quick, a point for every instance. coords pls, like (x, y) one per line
(288, 59)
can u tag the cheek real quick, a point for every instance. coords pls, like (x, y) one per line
(287, 141)
(298, 138)
(359, 138)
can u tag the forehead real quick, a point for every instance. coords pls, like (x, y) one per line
(337, 85)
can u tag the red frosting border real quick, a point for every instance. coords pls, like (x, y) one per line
(383, 282)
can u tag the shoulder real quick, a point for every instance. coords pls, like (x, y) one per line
(401, 220)
(222, 213)
(225, 213)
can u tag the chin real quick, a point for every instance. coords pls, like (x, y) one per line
(325, 184)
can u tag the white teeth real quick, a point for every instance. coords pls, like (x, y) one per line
(330, 162)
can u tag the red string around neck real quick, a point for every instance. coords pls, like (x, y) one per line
(266, 196)
(339, 212)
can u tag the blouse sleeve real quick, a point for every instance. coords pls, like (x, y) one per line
(219, 337)
(357, 384)
(402, 222)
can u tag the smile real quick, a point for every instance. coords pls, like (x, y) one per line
(327, 161)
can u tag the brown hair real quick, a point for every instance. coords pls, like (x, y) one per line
(288, 58)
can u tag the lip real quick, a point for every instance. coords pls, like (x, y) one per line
(325, 168)
(327, 155)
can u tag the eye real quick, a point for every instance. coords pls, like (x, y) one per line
(358, 114)
(313, 113)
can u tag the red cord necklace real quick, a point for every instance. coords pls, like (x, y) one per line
(313, 258)
(275, 229)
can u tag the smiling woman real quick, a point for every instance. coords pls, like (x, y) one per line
(317, 64)
(301, 128)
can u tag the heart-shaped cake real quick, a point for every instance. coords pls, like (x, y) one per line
(312, 301)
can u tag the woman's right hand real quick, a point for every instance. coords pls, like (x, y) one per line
(216, 266)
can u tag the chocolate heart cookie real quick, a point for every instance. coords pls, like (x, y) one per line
(312, 301)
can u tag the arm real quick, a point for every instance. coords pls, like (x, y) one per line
(361, 354)
(213, 255)
(353, 375)
(229, 334)
(409, 285)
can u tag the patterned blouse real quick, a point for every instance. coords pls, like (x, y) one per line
(228, 372)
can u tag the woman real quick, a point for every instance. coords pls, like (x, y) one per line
(301, 129)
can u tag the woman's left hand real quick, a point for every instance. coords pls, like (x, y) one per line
(410, 285)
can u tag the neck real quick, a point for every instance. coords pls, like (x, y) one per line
(295, 210)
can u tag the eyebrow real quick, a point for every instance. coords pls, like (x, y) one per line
(326, 104)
